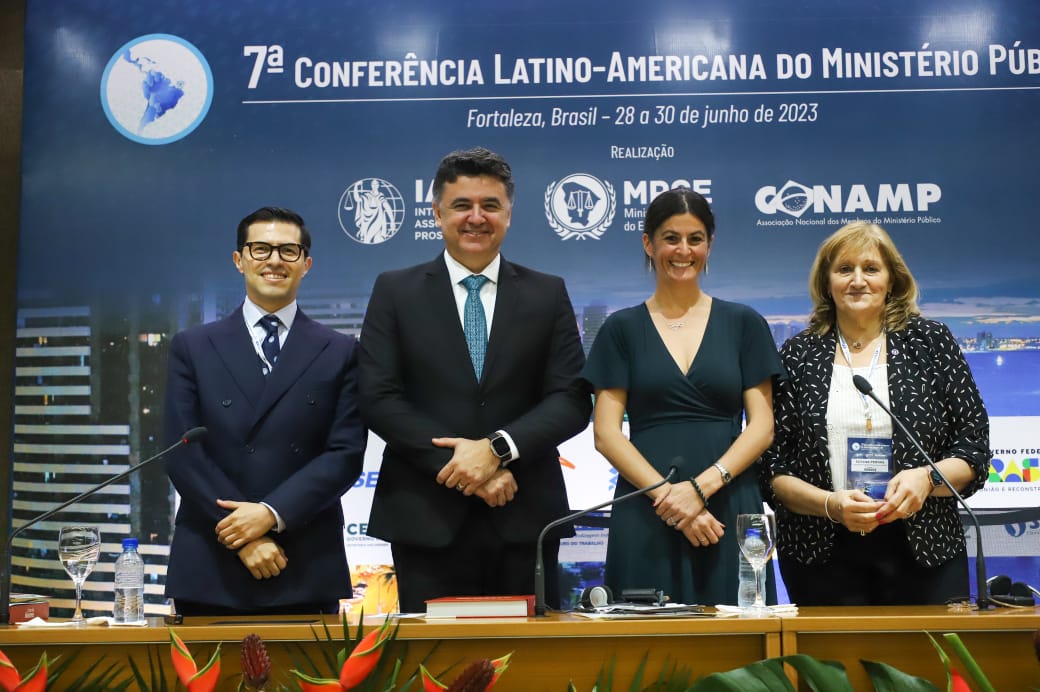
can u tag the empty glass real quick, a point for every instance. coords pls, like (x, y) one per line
(78, 550)
(756, 536)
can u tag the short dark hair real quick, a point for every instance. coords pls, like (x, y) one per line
(473, 163)
(274, 214)
(680, 200)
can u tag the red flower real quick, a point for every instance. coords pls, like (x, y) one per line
(356, 668)
(195, 680)
(466, 679)
(256, 664)
(957, 683)
(10, 681)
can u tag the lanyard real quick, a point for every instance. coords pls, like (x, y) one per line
(873, 363)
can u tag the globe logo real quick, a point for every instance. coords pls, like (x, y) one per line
(793, 199)
(371, 211)
(580, 206)
(156, 89)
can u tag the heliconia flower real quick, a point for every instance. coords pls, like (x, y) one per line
(195, 680)
(500, 665)
(256, 664)
(957, 683)
(430, 683)
(478, 677)
(10, 681)
(362, 661)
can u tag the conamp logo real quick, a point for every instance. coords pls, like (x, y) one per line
(794, 198)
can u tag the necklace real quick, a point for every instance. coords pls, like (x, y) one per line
(675, 326)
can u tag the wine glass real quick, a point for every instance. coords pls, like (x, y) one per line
(756, 536)
(78, 550)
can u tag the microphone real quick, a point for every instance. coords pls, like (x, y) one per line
(983, 600)
(193, 435)
(539, 561)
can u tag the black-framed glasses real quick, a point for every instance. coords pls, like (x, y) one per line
(290, 252)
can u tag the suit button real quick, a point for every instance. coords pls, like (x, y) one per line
(482, 404)
(295, 448)
(225, 403)
(249, 449)
(310, 400)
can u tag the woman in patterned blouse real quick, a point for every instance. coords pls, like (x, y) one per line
(862, 519)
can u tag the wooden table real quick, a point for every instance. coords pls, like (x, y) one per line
(1000, 640)
(548, 652)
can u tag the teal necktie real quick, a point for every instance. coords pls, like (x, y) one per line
(474, 322)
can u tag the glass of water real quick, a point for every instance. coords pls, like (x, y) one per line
(78, 550)
(756, 536)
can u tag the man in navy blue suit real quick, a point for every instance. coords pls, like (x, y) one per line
(470, 372)
(260, 525)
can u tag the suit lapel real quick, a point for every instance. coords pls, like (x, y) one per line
(231, 340)
(302, 346)
(507, 293)
(821, 362)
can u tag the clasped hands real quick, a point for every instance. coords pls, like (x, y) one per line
(475, 470)
(680, 507)
(245, 530)
(905, 495)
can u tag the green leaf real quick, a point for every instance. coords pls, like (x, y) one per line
(889, 679)
(761, 676)
(972, 667)
(821, 676)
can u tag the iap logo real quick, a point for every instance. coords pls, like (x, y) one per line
(580, 206)
(794, 198)
(371, 211)
(156, 89)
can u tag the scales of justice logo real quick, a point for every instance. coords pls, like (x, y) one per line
(371, 211)
(580, 206)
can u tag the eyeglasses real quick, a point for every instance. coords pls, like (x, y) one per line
(290, 252)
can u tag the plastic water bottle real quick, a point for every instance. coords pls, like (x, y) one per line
(746, 585)
(129, 585)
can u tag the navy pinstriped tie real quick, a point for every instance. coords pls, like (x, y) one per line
(474, 322)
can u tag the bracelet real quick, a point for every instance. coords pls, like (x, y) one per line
(826, 509)
(700, 493)
(726, 477)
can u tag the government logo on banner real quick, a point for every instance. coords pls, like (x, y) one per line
(371, 211)
(580, 206)
(156, 89)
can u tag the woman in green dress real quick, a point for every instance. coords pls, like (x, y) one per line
(687, 368)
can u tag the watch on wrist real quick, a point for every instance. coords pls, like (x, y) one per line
(500, 447)
(936, 478)
(726, 477)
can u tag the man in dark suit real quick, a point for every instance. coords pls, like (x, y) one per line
(469, 371)
(260, 526)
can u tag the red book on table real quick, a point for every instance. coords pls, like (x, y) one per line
(480, 607)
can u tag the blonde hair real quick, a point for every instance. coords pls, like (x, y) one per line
(855, 238)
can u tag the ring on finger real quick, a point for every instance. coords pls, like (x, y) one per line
(672, 522)
(460, 486)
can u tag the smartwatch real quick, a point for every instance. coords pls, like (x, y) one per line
(500, 447)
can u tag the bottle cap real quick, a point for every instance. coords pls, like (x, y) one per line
(129, 543)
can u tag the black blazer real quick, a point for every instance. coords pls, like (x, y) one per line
(294, 440)
(417, 383)
(933, 392)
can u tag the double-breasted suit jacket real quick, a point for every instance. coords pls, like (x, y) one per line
(417, 383)
(294, 440)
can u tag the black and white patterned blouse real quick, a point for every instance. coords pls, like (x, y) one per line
(932, 391)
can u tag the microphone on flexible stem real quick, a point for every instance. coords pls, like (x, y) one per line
(193, 435)
(983, 600)
(539, 561)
